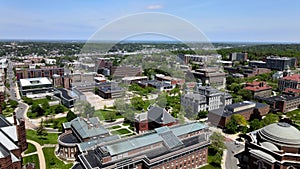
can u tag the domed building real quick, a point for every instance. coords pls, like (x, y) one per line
(276, 146)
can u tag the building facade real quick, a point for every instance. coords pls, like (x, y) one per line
(153, 118)
(249, 110)
(77, 131)
(183, 146)
(283, 103)
(276, 146)
(35, 86)
(211, 76)
(238, 56)
(292, 81)
(259, 89)
(47, 71)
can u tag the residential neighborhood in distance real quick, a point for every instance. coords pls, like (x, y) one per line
(149, 85)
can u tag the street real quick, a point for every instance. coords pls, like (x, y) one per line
(232, 149)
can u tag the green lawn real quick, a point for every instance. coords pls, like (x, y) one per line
(8, 111)
(52, 162)
(31, 148)
(32, 159)
(114, 127)
(121, 131)
(51, 138)
(55, 123)
(211, 160)
(102, 114)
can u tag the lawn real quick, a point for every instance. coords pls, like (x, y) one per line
(8, 111)
(32, 159)
(114, 127)
(51, 138)
(31, 148)
(52, 162)
(55, 123)
(103, 114)
(121, 131)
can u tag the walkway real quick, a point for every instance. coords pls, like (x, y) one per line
(40, 153)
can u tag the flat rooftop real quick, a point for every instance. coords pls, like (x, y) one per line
(35, 81)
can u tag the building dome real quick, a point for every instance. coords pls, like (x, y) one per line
(269, 146)
(281, 133)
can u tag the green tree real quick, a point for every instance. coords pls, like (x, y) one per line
(235, 123)
(71, 115)
(246, 94)
(217, 142)
(45, 105)
(40, 131)
(36, 108)
(13, 103)
(161, 100)
(110, 115)
(138, 103)
(269, 119)
(202, 114)
(59, 109)
(255, 124)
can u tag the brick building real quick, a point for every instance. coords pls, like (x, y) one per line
(153, 118)
(183, 146)
(47, 71)
(292, 81)
(12, 141)
(259, 89)
(77, 131)
(283, 103)
(249, 110)
(238, 56)
(212, 76)
(275, 146)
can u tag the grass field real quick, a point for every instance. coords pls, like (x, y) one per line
(121, 131)
(51, 138)
(52, 162)
(31, 148)
(102, 114)
(32, 159)
(114, 127)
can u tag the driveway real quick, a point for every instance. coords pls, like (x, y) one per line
(39, 152)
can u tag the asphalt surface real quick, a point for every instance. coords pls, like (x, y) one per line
(233, 148)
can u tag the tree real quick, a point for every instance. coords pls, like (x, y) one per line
(36, 108)
(13, 103)
(138, 103)
(255, 124)
(202, 114)
(59, 109)
(235, 123)
(45, 105)
(269, 119)
(110, 115)
(161, 100)
(217, 142)
(71, 115)
(84, 108)
(40, 131)
(246, 94)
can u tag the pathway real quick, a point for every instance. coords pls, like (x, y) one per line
(40, 153)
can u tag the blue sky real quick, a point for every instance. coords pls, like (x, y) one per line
(219, 20)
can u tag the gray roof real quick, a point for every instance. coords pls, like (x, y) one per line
(88, 128)
(282, 133)
(11, 131)
(3, 121)
(7, 142)
(159, 115)
(89, 144)
(14, 158)
(142, 116)
(4, 152)
(125, 145)
(195, 96)
(263, 155)
(269, 146)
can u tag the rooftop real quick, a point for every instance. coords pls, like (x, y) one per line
(295, 77)
(35, 81)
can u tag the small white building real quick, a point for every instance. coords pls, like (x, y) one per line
(50, 61)
(35, 87)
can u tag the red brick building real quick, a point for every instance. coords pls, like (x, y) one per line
(155, 117)
(283, 103)
(12, 142)
(249, 110)
(259, 89)
(47, 71)
(292, 81)
(181, 146)
(276, 146)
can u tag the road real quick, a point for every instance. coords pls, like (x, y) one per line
(232, 149)
(40, 153)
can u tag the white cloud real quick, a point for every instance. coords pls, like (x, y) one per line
(153, 7)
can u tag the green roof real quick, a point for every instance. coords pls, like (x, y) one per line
(129, 144)
(87, 128)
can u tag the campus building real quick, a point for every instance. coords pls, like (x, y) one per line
(109, 90)
(183, 146)
(275, 63)
(159, 85)
(46, 71)
(35, 86)
(259, 89)
(12, 141)
(276, 146)
(238, 57)
(77, 131)
(249, 110)
(292, 81)
(66, 97)
(204, 98)
(153, 118)
(211, 76)
(282, 103)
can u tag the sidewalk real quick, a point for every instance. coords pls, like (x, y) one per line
(40, 153)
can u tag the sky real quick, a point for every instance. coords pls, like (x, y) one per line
(217, 20)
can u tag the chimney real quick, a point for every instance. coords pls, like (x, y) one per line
(15, 118)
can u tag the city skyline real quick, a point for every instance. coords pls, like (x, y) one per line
(234, 21)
